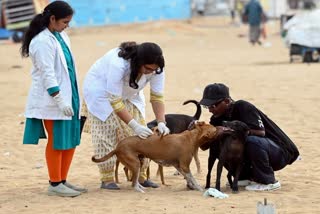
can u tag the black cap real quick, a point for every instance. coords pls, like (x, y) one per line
(214, 93)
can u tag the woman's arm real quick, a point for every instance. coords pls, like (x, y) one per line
(159, 110)
(124, 115)
(120, 109)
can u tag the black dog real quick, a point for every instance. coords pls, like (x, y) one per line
(230, 151)
(178, 123)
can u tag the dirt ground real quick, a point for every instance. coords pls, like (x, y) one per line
(198, 52)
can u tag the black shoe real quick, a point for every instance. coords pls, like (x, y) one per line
(149, 183)
(110, 186)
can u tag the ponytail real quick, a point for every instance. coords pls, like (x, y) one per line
(59, 9)
(38, 24)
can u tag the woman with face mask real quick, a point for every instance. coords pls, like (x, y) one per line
(113, 92)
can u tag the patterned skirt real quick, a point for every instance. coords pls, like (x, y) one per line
(106, 135)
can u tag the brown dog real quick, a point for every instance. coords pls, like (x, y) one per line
(171, 150)
(177, 123)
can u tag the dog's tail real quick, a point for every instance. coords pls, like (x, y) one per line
(104, 158)
(198, 112)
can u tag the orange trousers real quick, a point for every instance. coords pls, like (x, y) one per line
(58, 161)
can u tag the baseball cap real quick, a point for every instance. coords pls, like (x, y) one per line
(213, 93)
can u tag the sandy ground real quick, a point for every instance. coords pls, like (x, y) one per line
(198, 52)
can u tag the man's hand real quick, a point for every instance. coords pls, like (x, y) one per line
(221, 130)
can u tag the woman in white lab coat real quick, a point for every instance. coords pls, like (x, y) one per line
(113, 92)
(53, 101)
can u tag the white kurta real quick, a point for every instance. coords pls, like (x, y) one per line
(110, 76)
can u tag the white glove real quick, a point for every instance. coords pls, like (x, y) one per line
(63, 106)
(140, 130)
(163, 129)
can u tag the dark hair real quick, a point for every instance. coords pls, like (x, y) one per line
(60, 9)
(141, 54)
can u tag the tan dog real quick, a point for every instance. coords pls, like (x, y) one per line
(171, 150)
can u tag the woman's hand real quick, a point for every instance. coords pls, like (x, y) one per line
(63, 106)
(140, 130)
(163, 129)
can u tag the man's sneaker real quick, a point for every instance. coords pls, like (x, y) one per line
(76, 188)
(242, 183)
(264, 187)
(110, 186)
(149, 183)
(62, 190)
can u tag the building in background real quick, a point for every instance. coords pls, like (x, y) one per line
(110, 12)
(273, 8)
(17, 14)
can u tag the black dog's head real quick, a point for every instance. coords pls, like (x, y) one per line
(240, 129)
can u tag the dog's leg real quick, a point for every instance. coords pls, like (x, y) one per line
(196, 159)
(127, 173)
(133, 164)
(211, 161)
(189, 183)
(229, 176)
(135, 180)
(219, 171)
(234, 186)
(116, 171)
(148, 172)
(194, 182)
(161, 174)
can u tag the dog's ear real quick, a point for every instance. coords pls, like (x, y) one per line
(192, 125)
(198, 124)
(201, 123)
(208, 131)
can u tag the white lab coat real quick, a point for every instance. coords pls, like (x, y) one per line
(49, 70)
(110, 75)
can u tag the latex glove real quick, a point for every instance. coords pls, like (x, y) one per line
(163, 129)
(140, 130)
(63, 106)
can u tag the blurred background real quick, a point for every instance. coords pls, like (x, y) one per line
(300, 36)
(16, 14)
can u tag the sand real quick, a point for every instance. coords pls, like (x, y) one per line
(198, 52)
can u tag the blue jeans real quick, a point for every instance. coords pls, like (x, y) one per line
(262, 158)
